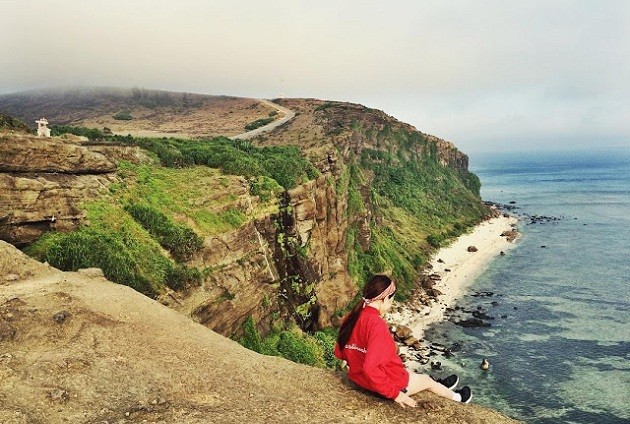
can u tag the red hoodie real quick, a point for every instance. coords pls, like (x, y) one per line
(372, 356)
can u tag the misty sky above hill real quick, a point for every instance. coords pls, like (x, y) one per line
(492, 74)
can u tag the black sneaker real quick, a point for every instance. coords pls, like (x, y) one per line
(465, 393)
(450, 381)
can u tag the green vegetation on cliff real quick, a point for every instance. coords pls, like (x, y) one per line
(292, 343)
(403, 199)
(113, 242)
(156, 216)
(285, 164)
(10, 123)
(415, 204)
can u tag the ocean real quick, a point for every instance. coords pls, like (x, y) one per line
(559, 340)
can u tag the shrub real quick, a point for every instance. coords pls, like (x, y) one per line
(264, 187)
(327, 339)
(259, 123)
(251, 337)
(180, 240)
(180, 277)
(294, 345)
(9, 122)
(285, 164)
(90, 133)
(301, 348)
(123, 115)
(435, 240)
(88, 248)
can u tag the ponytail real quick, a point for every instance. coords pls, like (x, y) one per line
(372, 289)
(348, 325)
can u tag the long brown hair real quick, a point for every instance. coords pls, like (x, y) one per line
(372, 289)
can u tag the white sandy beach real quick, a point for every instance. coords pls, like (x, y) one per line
(464, 267)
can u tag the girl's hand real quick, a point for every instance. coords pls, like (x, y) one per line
(403, 400)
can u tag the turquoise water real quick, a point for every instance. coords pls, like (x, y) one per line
(559, 343)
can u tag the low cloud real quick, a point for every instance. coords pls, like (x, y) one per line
(480, 74)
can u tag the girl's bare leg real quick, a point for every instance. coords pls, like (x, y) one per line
(420, 382)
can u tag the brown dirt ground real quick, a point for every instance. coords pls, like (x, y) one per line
(77, 348)
(216, 116)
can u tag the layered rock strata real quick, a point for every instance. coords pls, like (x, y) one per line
(44, 182)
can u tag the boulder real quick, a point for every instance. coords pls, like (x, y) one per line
(472, 322)
(402, 332)
(510, 235)
(472, 249)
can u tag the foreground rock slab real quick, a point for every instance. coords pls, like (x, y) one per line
(120, 357)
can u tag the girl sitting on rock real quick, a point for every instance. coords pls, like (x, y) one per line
(366, 345)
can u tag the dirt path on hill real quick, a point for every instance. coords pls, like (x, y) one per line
(288, 115)
(77, 348)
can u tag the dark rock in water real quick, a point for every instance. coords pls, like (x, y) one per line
(472, 249)
(512, 202)
(543, 246)
(481, 315)
(448, 354)
(495, 303)
(436, 365)
(472, 323)
(504, 316)
(455, 347)
(483, 294)
(502, 253)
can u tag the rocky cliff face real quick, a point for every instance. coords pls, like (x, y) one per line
(293, 262)
(289, 264)
(349, 128)
(44, 181)
(255, 268)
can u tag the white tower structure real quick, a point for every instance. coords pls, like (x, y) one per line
(42, 129)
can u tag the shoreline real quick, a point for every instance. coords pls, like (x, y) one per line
(464, 268)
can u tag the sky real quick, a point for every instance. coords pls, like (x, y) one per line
(488, 75)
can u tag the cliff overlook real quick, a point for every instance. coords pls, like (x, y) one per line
(274, 230)
(78, 348)
(265, 241)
